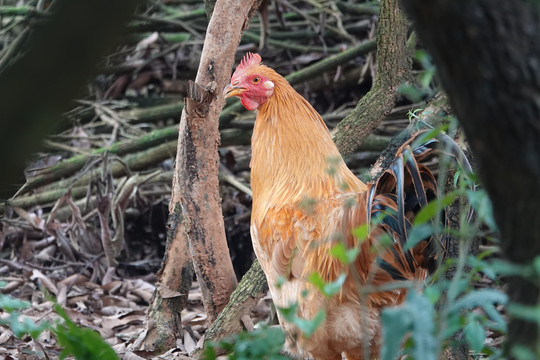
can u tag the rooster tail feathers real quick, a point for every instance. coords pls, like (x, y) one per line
(399, 194)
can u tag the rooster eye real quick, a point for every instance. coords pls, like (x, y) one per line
(256, 80)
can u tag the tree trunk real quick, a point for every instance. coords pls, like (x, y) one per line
(488, 57)
(163, 323)
(195, 207)
(250, 290)
(196, 185)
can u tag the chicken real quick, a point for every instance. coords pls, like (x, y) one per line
(306, 200)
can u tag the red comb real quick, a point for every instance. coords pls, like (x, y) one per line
(250, 59)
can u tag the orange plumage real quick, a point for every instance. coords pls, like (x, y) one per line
(305, 200)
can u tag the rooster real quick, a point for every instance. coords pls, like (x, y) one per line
(306, 200)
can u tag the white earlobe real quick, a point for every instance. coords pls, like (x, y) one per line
(268, 84)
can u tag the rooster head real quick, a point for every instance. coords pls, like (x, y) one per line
(251, 82)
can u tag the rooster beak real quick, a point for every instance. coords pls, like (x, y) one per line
(233, 90)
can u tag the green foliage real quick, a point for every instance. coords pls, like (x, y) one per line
(479, 298)
(416, 317)
(261, 344)
(474, 333)
(327, 288)
(426, 330)
(344, 255)
(525, 312)
(415, 328)
(482, 206)
(361, 232)
(422, 88)
(9, 304)
(427, 75)
(82, 343)
(522, 353)
(430, 211)
(19, 325)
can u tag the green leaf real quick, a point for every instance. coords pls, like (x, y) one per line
(482, 204)
(424, 58)
(280, 281)
(334, 287)
(499, 323)
(344, 255)
(82, 343)
(307, 326)
(454, 323)
(265, 343)
(209, 352)
(396, 322)
(432, 293)
(430, 134)
(457, 286)
(474, 334)
(9, 304)
(25, 326)
(417, 234)
(483, 266)
(411, 92)
(327, 289)
(429, 211)
(361, 232)
(289, 312)
(525, 312)
(316, 280)
(520, 352)
(456, 177)
(503, 267)
(479, 298)
(536, 265)
(416, 315)
(425, 77)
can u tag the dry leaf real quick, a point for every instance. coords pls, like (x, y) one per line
(36, 274)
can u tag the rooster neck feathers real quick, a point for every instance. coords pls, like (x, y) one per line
(294, 157)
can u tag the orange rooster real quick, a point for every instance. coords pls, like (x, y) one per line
(306, 200)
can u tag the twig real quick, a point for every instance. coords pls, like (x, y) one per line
(236, 183)
(314, 20)
(358, 9)
(63, 147)
(21, 11)
(178, 23)
(292, 46)
(69, 166)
